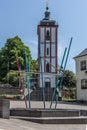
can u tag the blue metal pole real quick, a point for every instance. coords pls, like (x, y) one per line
(64, 71)
(41, 74)
(42, 83)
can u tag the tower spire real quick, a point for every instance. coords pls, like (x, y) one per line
(47, 5)
(47, 13)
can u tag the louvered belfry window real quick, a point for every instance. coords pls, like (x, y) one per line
(47, 35)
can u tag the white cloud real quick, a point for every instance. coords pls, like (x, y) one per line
(70, 63)
(33, 45)
(60, 50)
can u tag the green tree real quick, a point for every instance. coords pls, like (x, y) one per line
(69, 79)
(69, 84)
(14, 49)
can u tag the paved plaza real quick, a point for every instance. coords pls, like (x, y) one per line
(38, 104)
(16, 124)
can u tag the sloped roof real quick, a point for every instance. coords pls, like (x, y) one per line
(83, 53)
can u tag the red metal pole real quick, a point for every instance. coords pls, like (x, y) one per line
(23, 88)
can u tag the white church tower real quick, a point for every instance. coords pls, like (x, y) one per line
(47, 50)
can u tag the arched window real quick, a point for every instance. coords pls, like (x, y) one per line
(47, 35)
(47, 67)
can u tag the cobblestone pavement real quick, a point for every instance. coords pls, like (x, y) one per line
(16, 124)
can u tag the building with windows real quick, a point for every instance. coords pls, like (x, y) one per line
(47, 50)
(81, 75)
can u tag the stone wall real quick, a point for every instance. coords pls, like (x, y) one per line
(10, 90)
(4, 108)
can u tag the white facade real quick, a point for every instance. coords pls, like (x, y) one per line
(48, 55)
(81, 76)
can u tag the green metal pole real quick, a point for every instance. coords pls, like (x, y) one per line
(64, 71)
(58, 77)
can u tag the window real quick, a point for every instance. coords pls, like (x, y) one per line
(47, 51)
(47, 67)
(47, 35)
(84, 84)
(83, 65)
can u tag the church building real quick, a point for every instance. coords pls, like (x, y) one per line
(47, 31)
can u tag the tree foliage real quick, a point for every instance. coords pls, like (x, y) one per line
(69, 80)
(14, 49)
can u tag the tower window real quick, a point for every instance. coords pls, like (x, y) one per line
(47, 67)
(83, 65)
(47, 35)
(47, 51)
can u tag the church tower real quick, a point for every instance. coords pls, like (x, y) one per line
(47, 50)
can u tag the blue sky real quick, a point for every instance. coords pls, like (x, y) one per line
(21, 17)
